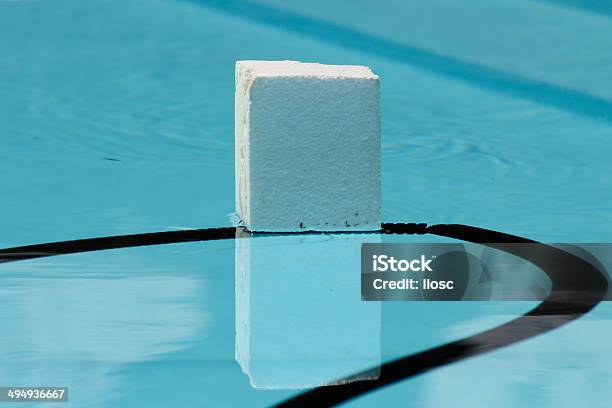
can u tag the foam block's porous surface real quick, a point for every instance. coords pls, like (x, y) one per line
(307, 146)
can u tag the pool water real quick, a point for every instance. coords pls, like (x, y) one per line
(118, 119)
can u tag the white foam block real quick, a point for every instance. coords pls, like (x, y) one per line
(307, 146)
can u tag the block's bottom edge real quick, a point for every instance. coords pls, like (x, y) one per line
(315, 230)
(238, 221)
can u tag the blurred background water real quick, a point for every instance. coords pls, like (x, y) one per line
(117, 118)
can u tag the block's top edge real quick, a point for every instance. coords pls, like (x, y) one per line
(256, 69)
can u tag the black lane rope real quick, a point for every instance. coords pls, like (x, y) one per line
(577, 287)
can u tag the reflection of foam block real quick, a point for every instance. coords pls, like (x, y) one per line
(307, 134)
(300, 321)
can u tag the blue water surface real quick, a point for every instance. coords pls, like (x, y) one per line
(118, 119)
